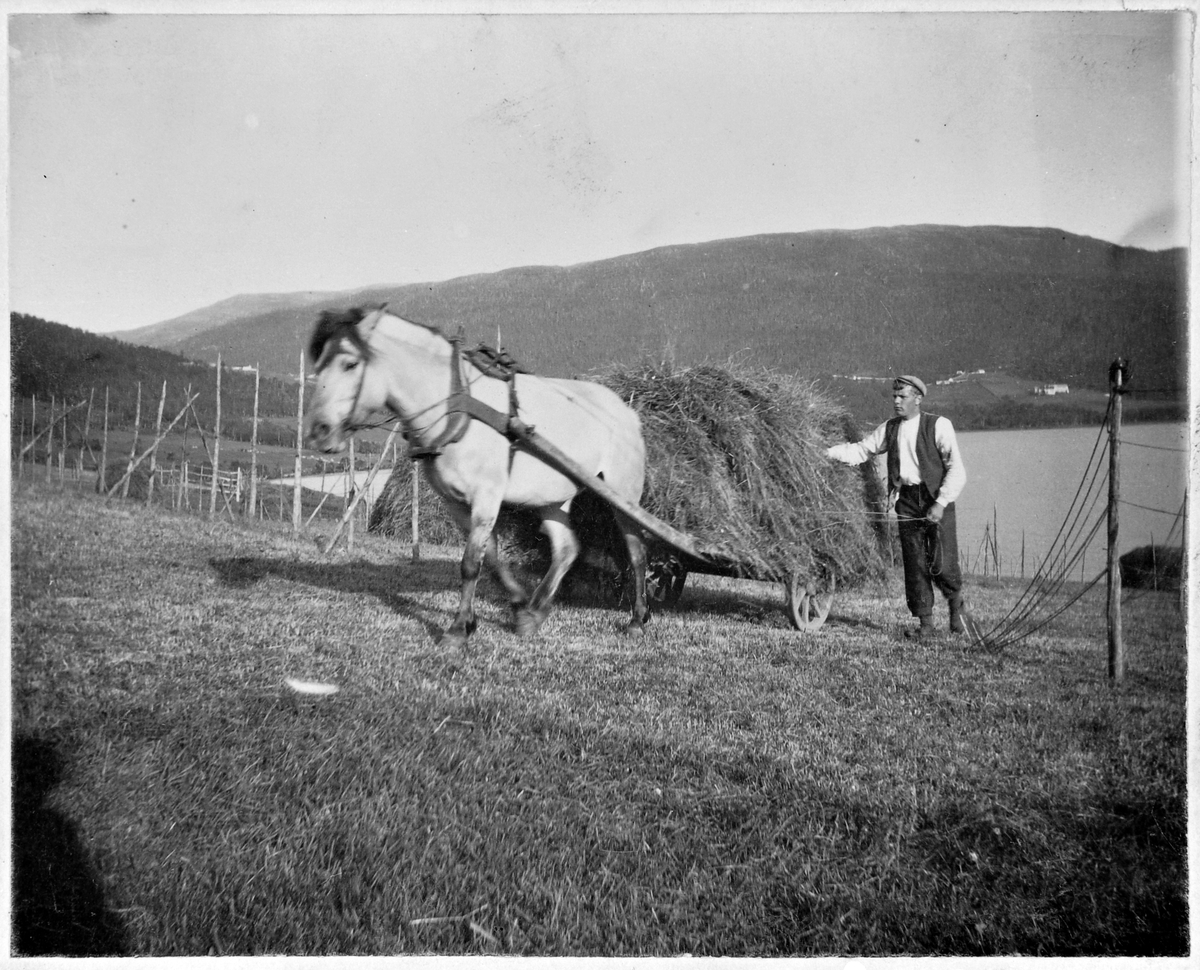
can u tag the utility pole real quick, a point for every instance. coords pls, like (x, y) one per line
(1116, 647)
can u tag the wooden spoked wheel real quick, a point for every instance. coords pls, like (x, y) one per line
(806, 607)
(665, 577)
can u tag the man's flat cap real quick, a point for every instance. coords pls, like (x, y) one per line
(909, 379)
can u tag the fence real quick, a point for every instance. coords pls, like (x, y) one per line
(57, 441)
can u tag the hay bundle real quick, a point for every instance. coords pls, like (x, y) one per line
(735, 457)
(391, 515)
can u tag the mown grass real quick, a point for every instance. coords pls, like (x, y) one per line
(723, 785)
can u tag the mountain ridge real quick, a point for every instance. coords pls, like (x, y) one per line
(933, 299)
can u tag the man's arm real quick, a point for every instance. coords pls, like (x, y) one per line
(856, 452)
(955, 476)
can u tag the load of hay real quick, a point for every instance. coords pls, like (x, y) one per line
(735, 456)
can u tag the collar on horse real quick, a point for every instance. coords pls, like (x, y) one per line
(461, 407)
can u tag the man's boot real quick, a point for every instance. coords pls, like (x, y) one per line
(956, 614)
(922, 632)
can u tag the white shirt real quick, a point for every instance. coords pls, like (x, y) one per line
(955, 477)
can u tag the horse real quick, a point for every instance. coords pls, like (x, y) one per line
(374, 364)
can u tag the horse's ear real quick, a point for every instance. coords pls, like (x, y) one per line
(369, 322)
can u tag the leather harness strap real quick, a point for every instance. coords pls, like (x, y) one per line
(461, 407)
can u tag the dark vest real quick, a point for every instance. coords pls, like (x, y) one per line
(929, 459)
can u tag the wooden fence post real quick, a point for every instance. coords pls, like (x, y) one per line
(21, 446)
(62, 451)
(350, 503)
(216, 455)
(299, 449)
(137, 426)
(50, 441)
(87, 429)
(416, 514)
(254, 450)
(1116, 647)
(101, 481)
(162, 401)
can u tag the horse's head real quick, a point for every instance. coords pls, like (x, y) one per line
(345, 394)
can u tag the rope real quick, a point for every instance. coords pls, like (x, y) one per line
(1138, 444)
(1147, 508)
(1075, 537)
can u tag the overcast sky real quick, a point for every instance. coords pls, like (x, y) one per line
(159, 164)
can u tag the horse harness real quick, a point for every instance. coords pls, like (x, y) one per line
(461, 407)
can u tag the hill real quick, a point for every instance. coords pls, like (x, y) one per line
(1039, 303)
(172, 332)
(52, 359)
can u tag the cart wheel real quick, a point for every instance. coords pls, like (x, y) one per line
(664, 580)
(806, 608)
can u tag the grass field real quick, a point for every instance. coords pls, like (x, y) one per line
(721, 786)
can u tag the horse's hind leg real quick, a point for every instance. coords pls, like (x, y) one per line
(564, 548)
(517, 594)
(637, 565)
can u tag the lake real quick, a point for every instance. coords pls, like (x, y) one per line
(1025, 481)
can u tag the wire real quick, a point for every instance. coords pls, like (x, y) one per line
(1035, 593)
(1067, 549)
(1138, 444)
(1147, 508)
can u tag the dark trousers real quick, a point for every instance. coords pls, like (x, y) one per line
(930, 551)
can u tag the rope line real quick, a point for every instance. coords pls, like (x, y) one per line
(1147, 508)
(1069, 546)
(1138, 444)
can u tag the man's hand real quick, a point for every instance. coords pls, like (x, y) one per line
(935, 513)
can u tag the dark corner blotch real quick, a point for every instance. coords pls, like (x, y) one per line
(58, 902)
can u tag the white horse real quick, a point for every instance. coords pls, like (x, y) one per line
(372, 364)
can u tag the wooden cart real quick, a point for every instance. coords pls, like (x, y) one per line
(671, 554)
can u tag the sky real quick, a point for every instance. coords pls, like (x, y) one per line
(159, 164)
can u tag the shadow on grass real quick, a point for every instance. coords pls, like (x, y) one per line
(386, 582)
(58, 904)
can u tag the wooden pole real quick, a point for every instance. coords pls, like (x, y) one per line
(351, 499)
(102, 480)
(299, 449)
(254, 450)
(149, 450)
(1116, 647)
(62, 451)
(326, 544)
(50, 441)
(137, 425)
(162, 402)
(87, 429)
(416, 513)
(216, 457)
(33, 436)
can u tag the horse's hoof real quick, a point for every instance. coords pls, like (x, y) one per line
(528, 623)
(635, 630)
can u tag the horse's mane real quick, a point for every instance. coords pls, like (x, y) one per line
(343, 325)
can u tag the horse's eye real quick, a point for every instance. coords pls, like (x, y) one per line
(349, 365)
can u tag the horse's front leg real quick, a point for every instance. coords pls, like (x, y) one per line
(477, 524)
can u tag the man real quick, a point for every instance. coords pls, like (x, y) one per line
(925, 475)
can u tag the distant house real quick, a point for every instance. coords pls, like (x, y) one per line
(1051, 389)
